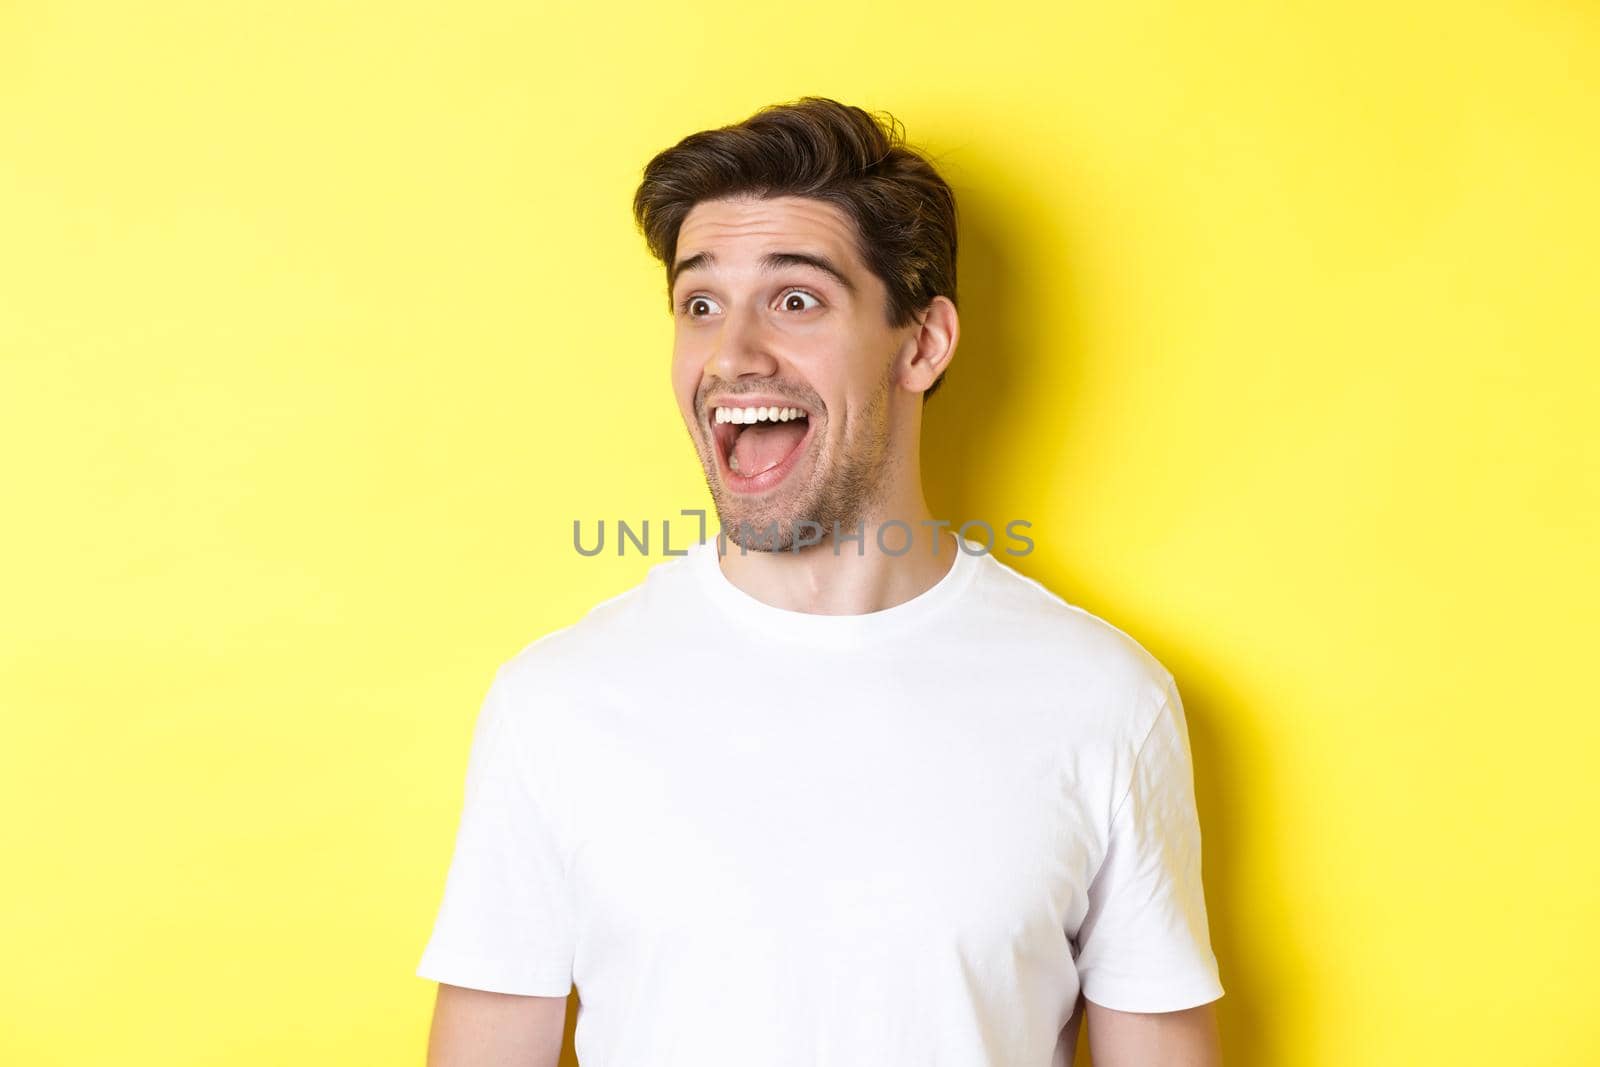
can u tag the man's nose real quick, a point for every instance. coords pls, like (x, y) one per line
(744, 346)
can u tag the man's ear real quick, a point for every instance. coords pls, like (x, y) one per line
(931, 347)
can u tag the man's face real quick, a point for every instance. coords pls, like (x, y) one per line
(756, 330)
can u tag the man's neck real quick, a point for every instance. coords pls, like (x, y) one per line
(897, 557)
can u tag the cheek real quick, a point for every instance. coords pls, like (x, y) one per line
(849, 379)
(685, 376)
(679, 367)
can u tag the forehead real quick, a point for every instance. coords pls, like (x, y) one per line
(748, 226)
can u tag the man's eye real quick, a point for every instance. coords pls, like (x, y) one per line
(794, 300)
(695, 306)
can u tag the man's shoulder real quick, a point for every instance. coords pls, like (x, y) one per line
(1064, 645)
(613, 632)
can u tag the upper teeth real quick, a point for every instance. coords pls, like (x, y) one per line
(758, 414)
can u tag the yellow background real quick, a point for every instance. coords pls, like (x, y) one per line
(320, 323)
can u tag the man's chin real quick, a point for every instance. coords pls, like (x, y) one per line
(766, 532)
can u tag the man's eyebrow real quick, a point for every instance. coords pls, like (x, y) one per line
(769, 262)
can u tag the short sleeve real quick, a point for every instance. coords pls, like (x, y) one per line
(506, 921)
(1144, 945)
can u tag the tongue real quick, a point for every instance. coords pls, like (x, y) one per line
(763, 445)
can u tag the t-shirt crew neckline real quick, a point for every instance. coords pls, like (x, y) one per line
(767, 620)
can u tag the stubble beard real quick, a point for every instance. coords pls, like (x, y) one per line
(838, 498)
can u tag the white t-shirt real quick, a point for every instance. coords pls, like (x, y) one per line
(900, 839)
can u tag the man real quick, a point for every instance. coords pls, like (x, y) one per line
(838, 787)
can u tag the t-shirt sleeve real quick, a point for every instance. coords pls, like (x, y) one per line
(506, 921)
(1144, 945)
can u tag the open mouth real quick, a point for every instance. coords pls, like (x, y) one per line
(757, 446)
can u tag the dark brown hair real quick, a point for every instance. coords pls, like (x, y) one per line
(903, 212)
